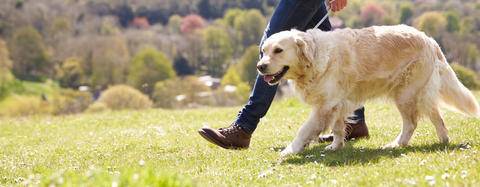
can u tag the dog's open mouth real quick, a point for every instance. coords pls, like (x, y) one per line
(276, 77)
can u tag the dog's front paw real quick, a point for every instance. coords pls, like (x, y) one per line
(333, 147)
(287, 151)
(291, 149)
(391, 145)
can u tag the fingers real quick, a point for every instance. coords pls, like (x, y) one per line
(344, 4)
(333, 5)
(337, 5)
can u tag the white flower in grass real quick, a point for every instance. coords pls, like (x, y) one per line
(265, 173)
(445, 176)
(135, 176)
(60, 180)
(410, 182)
(141, 162)
(430, 180)
(333, 181)
(114, 184)
(464, 174)
(423, 162)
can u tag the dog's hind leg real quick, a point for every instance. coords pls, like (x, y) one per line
(409, 114)
(318, 121)
(437, 121)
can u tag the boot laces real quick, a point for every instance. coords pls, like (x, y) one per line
(233, 129)
(348, 130)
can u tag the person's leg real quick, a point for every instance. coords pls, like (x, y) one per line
(262, 94)
(288, 14)
(356, 126)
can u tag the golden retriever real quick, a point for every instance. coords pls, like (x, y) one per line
(336, 72)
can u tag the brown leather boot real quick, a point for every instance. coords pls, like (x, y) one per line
(353, 131)
(232, 137)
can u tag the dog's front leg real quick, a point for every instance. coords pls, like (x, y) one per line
(316, 123)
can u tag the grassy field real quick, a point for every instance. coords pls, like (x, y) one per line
(162, 148)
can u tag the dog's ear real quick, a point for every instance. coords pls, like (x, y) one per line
(305, 45)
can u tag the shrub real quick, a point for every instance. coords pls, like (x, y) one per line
(97, 107)
(232, 78)
(178, 93)
(71, 73)
(466, 76)
(70, 102)
(432, 23)
(21, 105)
(124, 97)
(248, 63)
(148, 67)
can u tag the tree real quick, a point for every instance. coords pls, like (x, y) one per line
(247, 64)
(71, 73)
(181, 66)
(191, 23)
(5, 64)
(211, 9)
(32, 60)
(107, 63)
(174, 23)
(467, 26)
(149, 66)
(453, 21)
(249, 27)
(231, 15)
(472, 55)
(124, 13)
(218, 50)
(432, 23)
(372, 14)
(406, 13)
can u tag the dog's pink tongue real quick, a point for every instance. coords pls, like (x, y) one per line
(268, 78)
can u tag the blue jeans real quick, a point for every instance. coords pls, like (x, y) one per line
(298, 14)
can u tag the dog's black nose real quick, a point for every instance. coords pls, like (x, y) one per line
(262, 67)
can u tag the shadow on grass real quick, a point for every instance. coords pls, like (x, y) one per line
(350, 155)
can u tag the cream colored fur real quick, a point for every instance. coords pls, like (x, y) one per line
(336, 72)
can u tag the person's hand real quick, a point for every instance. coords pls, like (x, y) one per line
(337, 5)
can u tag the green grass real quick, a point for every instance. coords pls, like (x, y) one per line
(162, 148)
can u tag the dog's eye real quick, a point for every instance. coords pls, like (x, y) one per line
(277, 50)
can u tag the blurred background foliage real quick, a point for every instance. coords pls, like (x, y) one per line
(68, 56)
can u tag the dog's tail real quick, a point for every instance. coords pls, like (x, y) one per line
(453, 92)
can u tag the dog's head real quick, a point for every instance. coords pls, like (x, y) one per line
(283, 53)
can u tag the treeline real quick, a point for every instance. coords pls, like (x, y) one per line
(155, 46)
